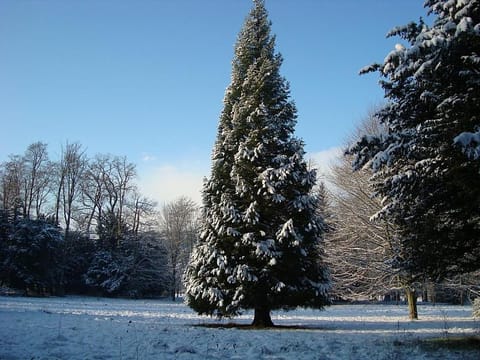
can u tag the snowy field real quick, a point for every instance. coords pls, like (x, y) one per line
(97, 328)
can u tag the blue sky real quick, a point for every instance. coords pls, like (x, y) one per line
(146, 78)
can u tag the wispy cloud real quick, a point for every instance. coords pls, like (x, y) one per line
(323, 160)
(168, 182)
(146, 157)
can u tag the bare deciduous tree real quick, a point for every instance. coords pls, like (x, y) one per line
(120, 185)
(140, 210)
(35, 181)
(107, 186)
(13, 172)
(361, 249)
(178, 227)
(93, 193)
(70, 172)
(358, 249)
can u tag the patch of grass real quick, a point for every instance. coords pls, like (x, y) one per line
(453, 343)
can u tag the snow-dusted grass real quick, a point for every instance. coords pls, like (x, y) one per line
(97, 328)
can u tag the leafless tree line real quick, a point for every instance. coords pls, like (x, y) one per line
(98, 198)
(75, 191)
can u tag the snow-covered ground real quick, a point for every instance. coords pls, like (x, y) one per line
(97, 328)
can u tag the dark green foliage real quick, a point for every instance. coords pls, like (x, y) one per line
(426, 174)
(5, 231)
(260, 247)
(148, 274)
(137, 267)
(33, 257)
(111, 230)
(79, 252)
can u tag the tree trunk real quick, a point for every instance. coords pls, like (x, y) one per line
(57, 202)
(262, 318)
(412, 303)
(174, 284)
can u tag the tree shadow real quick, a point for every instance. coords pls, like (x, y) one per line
(240, 326)
(452, 343)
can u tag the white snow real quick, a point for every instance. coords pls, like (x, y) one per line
(265, 248)
(470, 142)
(286, 230)
(98, 328)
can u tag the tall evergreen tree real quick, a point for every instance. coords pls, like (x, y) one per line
(260, 247)
(426, 166)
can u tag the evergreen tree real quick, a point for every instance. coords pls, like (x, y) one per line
(33, 259)
(5, 231)
(260, 247)
(78, 255)
(426, 166)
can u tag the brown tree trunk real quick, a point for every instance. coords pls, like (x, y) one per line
(262, 318)
(412, 303)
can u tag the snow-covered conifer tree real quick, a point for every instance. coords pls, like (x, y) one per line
(260, 247)
(427, 166)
